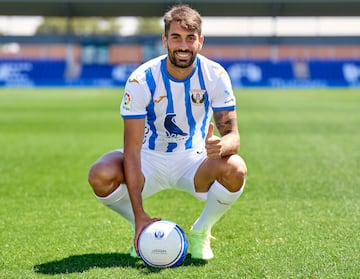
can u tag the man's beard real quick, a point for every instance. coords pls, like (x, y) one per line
(181, 63)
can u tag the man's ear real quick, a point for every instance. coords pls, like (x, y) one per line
(164, 41)
(201, 40)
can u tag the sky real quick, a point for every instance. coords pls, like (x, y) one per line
(214, 26)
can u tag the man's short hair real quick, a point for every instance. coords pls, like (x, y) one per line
(187, 17)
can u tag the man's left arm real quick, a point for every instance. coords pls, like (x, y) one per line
(229, 141)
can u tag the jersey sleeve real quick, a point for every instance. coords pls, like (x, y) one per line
(223, 98)
(135, 100)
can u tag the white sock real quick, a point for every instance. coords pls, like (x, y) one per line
(219, 200)
(119, 201)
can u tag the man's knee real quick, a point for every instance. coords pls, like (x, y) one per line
(235, 173)
(241, 173)
(103, 178)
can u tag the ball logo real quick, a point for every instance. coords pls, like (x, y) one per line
(159, 234)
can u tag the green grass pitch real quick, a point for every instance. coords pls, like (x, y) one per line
(299, 216)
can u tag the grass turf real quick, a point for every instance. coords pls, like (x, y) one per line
(298, 217)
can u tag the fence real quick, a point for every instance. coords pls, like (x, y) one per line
(243, 73)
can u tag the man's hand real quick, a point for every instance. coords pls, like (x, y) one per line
(213, 144)
(140, 224)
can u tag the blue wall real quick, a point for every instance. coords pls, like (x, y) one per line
(252, 73)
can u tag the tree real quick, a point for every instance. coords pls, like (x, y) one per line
(149, 26)
(79, 26)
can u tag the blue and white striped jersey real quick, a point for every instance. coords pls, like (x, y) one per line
(177, 112)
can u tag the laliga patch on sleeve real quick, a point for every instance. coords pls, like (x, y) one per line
(127, 101)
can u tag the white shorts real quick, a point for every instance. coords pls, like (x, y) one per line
(169, 170)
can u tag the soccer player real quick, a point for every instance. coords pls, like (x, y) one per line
(169, 140)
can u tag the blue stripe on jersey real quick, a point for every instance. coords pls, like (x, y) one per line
(190, 117)
(150, 108)
(139, 116)
(170, 105)
(224, 108)
(206, 101)
(171, 146)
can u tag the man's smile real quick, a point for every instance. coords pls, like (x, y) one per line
(183, 54)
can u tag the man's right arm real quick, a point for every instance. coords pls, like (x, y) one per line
(133, 137)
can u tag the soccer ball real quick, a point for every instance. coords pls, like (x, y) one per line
(163, 244)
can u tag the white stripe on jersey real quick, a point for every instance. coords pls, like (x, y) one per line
(177, 112)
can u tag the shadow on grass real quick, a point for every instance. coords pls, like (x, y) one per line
(82, 263)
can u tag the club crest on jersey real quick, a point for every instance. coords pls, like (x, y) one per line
(197, 96)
